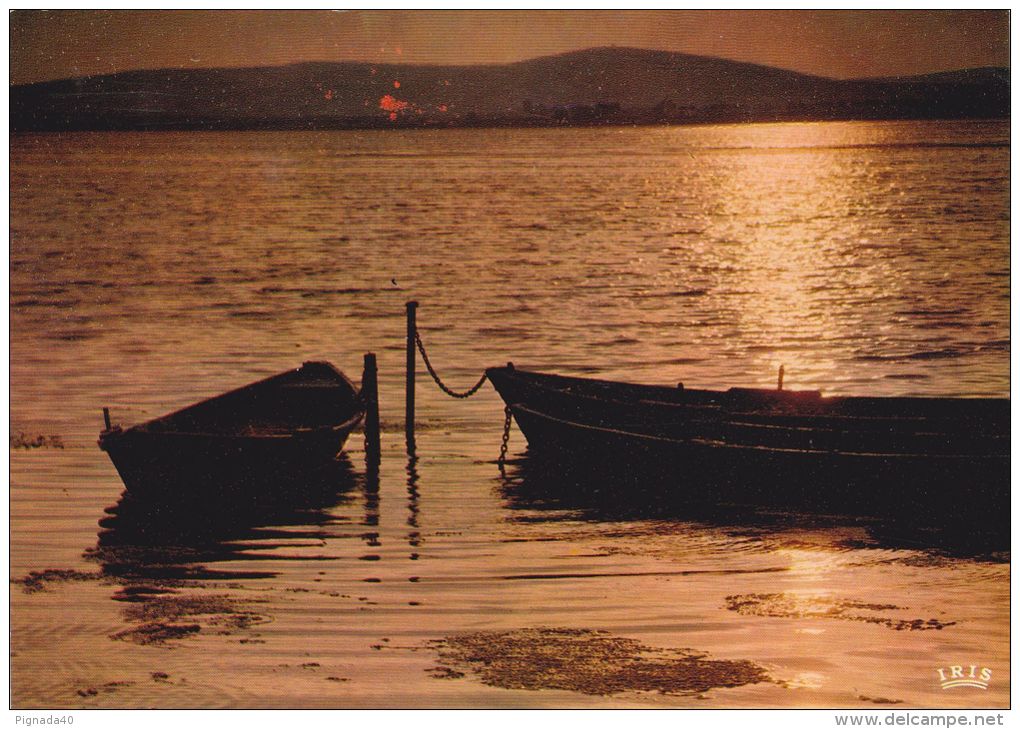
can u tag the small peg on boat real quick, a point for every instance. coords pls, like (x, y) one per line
(782, 371)
(106, 418)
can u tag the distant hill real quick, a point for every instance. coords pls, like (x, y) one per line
(595, 86)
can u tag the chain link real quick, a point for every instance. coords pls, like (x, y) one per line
(435, 376)
(506, 437)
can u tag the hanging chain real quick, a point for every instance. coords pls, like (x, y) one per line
(435, 376)
(506, 437)
(466, 394)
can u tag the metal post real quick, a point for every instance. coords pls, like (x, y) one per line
(106, 418)
(370, 396)
(412, 329)
(782, 371)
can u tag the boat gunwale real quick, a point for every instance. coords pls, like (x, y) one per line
(258, 384)
(544, 380)
(140, 430)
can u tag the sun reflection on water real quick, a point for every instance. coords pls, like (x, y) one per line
(801, 246)
(810, 245)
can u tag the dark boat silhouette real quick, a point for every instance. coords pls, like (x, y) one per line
(273, 434)
(770, 443)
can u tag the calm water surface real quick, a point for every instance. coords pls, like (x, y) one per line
(148, 270)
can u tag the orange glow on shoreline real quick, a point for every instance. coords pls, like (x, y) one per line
(392, 104)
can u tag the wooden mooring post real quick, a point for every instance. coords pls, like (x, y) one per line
(370, 396)
(412, 358)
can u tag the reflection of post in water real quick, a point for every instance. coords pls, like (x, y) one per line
(413, 535)
(372, 502)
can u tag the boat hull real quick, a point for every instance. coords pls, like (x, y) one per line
(270, 438)
(700, 470)
(172, 466)
(772, 446)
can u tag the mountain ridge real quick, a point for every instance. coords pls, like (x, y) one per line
(607, 85)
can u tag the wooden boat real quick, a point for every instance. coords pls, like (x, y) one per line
(756, 439)
(268, 435)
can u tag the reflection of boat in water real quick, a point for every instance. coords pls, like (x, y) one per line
(154, 539)
(770, 444)
(181, 568)
(266, 436)
(542, 487)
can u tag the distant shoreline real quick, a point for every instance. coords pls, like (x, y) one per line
(303, 125)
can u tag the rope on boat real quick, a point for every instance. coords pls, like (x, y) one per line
(435, 376)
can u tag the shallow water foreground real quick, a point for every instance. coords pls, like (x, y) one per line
(441, 583)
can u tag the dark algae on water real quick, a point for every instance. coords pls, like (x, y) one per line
(592, 662)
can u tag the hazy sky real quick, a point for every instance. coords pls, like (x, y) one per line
(836, 43)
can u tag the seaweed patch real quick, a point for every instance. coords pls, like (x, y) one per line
(157, 633)
(784, 605)
(879, 700)
(161, 618)
(37, 581)
(590, 662)
(106, 688)
(29, 442)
